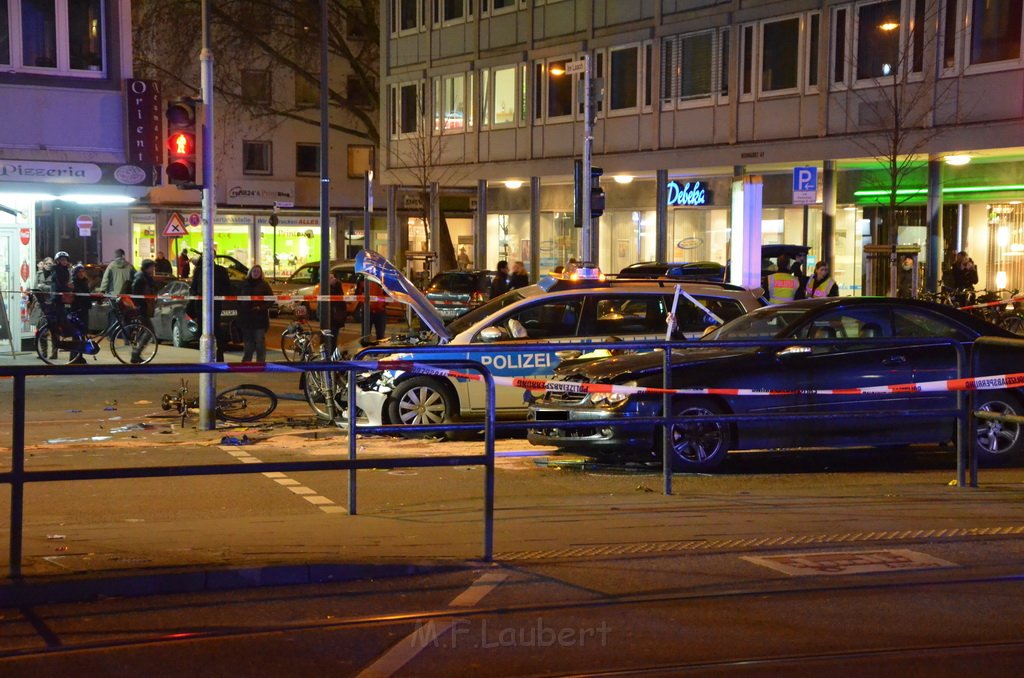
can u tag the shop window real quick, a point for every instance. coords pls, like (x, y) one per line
(840, 28)
(307, 93)
(357, 92)
(625, 74)
(60, 37)
(780, 55)
(878, 40)
(256, 157)
(256, 86)
(995, 30)
(307, 159)
(560, 85)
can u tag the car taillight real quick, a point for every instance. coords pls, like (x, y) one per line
(476, 298)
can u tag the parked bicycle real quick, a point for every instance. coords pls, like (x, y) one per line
(241, 404)
(299, 341)
(63, 340)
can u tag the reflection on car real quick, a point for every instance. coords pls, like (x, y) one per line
(856, 356)
(454, 293)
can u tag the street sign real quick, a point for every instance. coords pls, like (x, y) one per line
(575, 67)
(194, 219)
(175, 227)
(805, 185)
(283, 204)
(84, 223)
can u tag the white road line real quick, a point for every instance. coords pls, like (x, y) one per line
(405, 650)
(323, 503)
(287, 481)
(318, 500)
(275, 474)
(302, 489)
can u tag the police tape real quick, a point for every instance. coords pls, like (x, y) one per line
(226, 297)
(1014, 380)
(989, 304)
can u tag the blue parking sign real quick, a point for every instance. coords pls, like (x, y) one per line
(805, 185)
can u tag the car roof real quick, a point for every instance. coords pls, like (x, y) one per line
(662, 282)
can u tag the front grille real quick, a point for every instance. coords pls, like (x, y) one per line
(563, 398)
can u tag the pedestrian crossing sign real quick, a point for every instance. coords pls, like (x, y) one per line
(175, 227)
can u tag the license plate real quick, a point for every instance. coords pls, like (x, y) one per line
(230, 313)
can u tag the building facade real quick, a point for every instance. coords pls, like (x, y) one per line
(74, 147)
(705, 109)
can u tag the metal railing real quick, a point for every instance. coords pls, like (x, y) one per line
(18, 477)
(965, 450)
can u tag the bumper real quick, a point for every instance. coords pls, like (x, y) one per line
(597, 439)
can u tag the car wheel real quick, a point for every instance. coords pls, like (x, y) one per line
(997, 442)
(699, 446)
(420, 401)
(177, 335)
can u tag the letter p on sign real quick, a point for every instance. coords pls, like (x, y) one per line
(805, 185)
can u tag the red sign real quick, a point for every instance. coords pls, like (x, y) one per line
(145, 122)
(24, 271)
(26, 235)
(194, 219)
(175, 227)
(84, 223)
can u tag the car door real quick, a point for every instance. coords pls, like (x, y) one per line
(856, 357)
(163, 311)
(531, 334)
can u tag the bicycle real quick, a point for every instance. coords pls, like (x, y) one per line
(63, 340)
(299, 342)
(326, 392)
(241, 404)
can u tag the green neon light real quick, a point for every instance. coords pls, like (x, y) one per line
(953, 189)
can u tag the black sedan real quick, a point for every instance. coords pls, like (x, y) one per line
(856, 356)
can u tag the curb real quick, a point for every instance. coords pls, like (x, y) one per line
(15, 593)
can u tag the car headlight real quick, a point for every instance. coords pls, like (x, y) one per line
(611, 399)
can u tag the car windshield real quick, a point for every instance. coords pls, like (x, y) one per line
(766, 323)
(464, 322)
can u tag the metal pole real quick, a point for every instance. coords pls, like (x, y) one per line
(828, 211)
(207, 346)
(489, 471)
(934, 251)
(666, 413)
(661, 216)
(352, 440)
(587, 235)
(324, 307)
(17, 476)
(367, 215)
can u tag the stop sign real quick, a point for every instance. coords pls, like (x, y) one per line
(84, 225)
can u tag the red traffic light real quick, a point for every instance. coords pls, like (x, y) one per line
(181, 144)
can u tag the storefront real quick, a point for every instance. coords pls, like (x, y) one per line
(17, 268)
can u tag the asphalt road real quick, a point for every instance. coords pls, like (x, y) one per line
(787, 563)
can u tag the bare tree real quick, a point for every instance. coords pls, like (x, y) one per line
(276, 36)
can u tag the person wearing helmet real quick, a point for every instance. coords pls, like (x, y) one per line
(144, 296)
(62, 280)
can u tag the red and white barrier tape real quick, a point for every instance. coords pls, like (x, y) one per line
(227, 297)
(988, 304)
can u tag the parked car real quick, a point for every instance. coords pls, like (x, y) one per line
(690, 270)
(858, 357)
(305, 281)
(454, 293)
(518, 334)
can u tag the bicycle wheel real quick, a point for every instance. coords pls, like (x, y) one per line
(247, 402)
(300, 345)
(316, 389)
(55, 349)
(131, 341)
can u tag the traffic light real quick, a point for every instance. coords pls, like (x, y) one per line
(182, 143)
(596, 193)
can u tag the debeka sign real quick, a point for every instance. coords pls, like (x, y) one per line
(690, 194)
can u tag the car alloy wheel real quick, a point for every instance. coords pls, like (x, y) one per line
(998, 441)
(699, 446)
(421, 401)
(177, 337)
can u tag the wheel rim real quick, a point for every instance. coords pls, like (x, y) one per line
(996, 437)
(176, 337)
(422, 405)
(698, 442)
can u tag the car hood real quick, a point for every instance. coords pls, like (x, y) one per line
(637, 365)
(398, 287)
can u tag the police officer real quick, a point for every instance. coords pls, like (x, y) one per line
(821, 284)
(782, 284)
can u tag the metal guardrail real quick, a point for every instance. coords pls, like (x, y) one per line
(965, 450)
(985, 349)
(18, 477)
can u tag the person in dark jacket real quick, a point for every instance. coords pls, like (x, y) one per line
(184, 265)
(221, 287)
(62, 288)
(144, 297)
(80, 284)
(163, 264)
(519, 277)
(500, 284)
(254, 316)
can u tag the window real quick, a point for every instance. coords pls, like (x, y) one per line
(307, 159)
(625, 74)
(524, 99)
(307, 93)
(949, 31)
(555, 319)
(452, 10)
(690, 68)
(59, 37)
(256, 87)
(560, 85)
(648, 75)
(780, 55)
(497, 6)
(878, 39)
(995, 30)
(695, 66)
(500, 97)
(917, 37)
(405, 16)
(256, 157)
(450, 104)
(623, 316)
(747, 86)
(813, 45)
(405, 109)
(723, 63)
(360, 160)
(839, 31)
(358, 94)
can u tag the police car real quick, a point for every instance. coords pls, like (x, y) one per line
(517, 334)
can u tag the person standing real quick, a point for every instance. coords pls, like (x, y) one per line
(163, 264)
(463, 259)
(119, 275)
(500, 284)
(221, 287)
(378, 310)
(82, 301)
(184, 266)
(254, 316)
(62, 289)
(519, 277)
(339, 307)
(782, 285)
(905, 281)
(144, 296)
(821, 284)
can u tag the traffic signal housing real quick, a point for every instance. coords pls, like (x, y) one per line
(182, 143)
(579, 190)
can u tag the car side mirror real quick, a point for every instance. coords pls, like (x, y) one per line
(791, 352)
(491, 334)
(568, 355)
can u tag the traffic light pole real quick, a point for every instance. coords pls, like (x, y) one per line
(587, 234)
(207, 382)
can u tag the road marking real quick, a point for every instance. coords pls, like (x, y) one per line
(405, 650)
(849, 562)
(323, 503)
